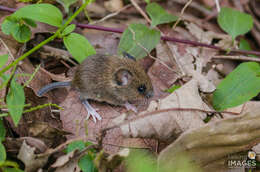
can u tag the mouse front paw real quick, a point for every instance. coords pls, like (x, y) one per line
(129, 106)
(91, 111)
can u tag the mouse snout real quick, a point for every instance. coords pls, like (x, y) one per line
(149, 94)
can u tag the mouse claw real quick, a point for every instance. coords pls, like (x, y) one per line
(91, 111)
(130, 107)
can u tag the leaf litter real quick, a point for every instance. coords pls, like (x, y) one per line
(175, 127)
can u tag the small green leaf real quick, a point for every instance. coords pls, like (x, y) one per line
(234, 22)
(80, 145)
(66, 4)
(137, 39)
(140, 161)
(173, 88)
(147, 1)
(239, 86)
(45, 13)
(86, 164)
(22, 33)
(12, 170)
(3, 114)
(68, 29)
(9, 24)
(244, 45)
(78, 46)
(3, 60)
(159, 15)
(15, 101)
(2, 153)
(30, 22)
(2, 130)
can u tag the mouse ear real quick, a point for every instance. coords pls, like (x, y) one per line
(126, 55)
(123, 77)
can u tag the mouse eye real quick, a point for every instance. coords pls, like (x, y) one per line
(141, 89)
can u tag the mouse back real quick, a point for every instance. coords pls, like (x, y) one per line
(113, 79)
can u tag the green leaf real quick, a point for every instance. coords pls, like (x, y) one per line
(66, 4)
(147, 1)
(3, 60)
(137, 38)
(22, 33)
(234, 22)
(2, 153)
(3, 114)
(30, 22)
(80, 145)
(173, 88)
(244, 45)
(9, 24)
(239, 86)
(15, 101)
(139, 161)
(68, 29)
(2, 130)
(78, 46)
(159, 15)
(12, 170)
(45, 13)
(86, 164)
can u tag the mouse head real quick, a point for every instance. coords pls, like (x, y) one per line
(131, 83)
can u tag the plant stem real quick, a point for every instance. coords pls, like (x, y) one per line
(56, 34)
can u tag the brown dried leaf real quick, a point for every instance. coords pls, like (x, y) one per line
(215, 141)
(30, 159)
(74, 121)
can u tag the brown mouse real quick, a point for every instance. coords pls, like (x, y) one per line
(109, 78)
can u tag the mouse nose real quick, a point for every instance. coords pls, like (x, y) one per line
(149, 94)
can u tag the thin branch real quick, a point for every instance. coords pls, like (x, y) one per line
(241, 58)
(182, 12)
(112, 14)
(138, 8)
(10, 10)
(165, 110)
(61, 146)
(217, 5)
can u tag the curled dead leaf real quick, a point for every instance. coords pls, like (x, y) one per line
(215, 141)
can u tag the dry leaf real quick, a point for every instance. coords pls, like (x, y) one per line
(30, 159)
(215, 141)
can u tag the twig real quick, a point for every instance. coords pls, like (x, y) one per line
(138, 8)
(42, 106)
(242, 58)
(8, 50)
(32, 76)
(10, 10)
(111, 14)
(217, 5)
(182, 12)
(9, 82)
(162, 111)
(60, 147)
(167, 38)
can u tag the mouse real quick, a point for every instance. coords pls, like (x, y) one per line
(116, 80)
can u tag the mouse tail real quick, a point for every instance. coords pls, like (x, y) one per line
(51, 86)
